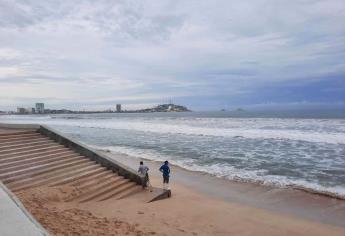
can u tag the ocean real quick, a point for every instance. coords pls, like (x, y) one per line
(277, 149)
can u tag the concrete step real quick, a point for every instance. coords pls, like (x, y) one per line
(44, 170)
(29, 148)
(109, 192)
(96, 188)
(23, 166)
(125, 192)
(21, 134)
(81, 176)
(35, 155)
(20, 137)
(28, 144)
(54, 178)
(17, 133)
(23, 161)
(79, 182)
(99, 192)
(32, 151)
(25, 141)
(4, 175)
(49, 174)
(96, 181)
(30, 159)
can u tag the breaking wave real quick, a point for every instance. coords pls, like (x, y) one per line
(283, 129)
(229, 172)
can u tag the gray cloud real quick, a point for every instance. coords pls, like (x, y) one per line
(121, 49)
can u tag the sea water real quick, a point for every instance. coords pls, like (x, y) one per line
(282, 150)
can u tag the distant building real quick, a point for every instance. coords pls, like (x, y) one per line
(118, 107)
(21, 110)
(40, 108)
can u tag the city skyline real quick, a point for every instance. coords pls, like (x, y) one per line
(206, 56)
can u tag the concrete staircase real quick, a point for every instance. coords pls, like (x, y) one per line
(29, 159)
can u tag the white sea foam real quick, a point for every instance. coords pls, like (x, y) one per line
(283, 129)
(229, 172)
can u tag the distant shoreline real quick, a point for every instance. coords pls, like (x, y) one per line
(94, 112)
(334, 114)
(160, 108)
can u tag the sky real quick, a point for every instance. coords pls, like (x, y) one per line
(207, 55)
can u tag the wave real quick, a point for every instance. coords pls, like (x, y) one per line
(241, 128)
(229, 172)
(299, 135)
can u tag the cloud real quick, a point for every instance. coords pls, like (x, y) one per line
(141, 50)
(10, 72)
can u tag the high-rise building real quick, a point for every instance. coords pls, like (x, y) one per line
(21, 110)
(118, 107)
(40, 108)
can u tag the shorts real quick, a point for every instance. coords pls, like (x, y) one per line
(166, 179)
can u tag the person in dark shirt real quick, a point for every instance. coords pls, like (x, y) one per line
(165, 169)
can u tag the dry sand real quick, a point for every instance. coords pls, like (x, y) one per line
(185, 213)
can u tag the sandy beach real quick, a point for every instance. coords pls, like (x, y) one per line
(188, 212)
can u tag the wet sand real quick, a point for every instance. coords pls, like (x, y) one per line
(294, 202)
(192, 210)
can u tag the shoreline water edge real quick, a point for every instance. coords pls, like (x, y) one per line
(305, 154)
(297, 202)
(235, 180)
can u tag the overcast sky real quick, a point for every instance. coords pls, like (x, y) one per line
(204, 54)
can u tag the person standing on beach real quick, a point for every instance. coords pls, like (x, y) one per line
(143, 170)
(165, 169)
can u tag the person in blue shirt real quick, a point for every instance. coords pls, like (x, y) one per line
(165, 169)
